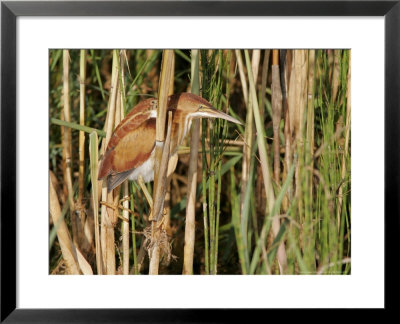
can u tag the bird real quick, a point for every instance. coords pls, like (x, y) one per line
(130, 151)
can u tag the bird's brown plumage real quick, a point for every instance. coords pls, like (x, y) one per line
(127, 149)
(133, 141)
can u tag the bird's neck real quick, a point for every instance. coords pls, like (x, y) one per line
(188, 123)
(181, 127)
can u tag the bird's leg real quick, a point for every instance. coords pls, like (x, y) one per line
(149, 199)
(161, 223)
(146, 194)
(115, 205)
(108, 205)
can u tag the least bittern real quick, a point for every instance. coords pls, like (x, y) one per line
(130, 151)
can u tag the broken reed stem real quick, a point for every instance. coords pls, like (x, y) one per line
(282, 259)
(68, 146)
(188, 254)
(67, 249)
(107, 214)
(276, 112)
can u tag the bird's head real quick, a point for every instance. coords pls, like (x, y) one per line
(196, 107)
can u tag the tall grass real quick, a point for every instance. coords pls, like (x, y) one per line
(271, 196)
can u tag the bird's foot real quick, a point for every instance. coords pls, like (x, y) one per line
(161, 224)
(108, 205)
(118, 205)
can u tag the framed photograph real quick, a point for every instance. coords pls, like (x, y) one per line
(161, 158)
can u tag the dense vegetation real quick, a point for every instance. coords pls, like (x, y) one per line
(273, 194)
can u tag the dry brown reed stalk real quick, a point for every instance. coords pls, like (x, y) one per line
(70, 258)
(276, 94)
(64, 189)
(119, 113)
(296, 104)
(68, 146)
(159, 240)
(188, 254)
(255, 63)
(167, 73)
(281, 254)
(264, 79)
(288, 148)
(161, 155)
(94, 158)
(297, 92)
(125, 228)
(346, 145)
(173, 161)
(82, 78)
(154, 260)
(74, 260)
(85, 223)
(107, 214)
(228, 142)
(125, 187)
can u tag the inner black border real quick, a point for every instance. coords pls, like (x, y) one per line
(11, 10)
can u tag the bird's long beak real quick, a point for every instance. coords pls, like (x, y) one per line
(214, 113)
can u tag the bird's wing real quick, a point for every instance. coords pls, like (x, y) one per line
(134, 148)
(130, 145)
(115, 179)
(133, 120)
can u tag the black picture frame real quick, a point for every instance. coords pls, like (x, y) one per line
(9, 13)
